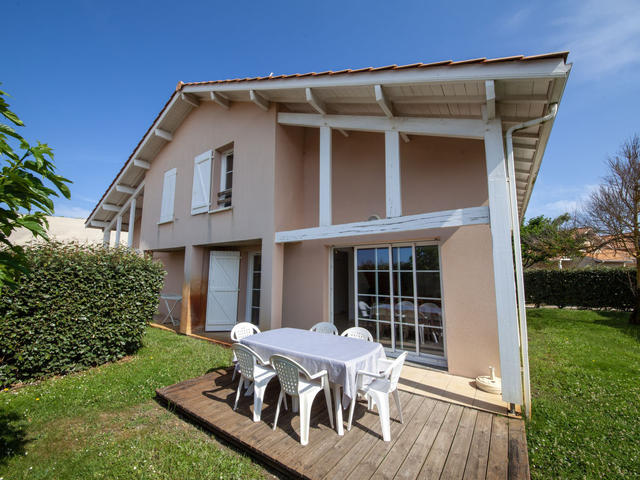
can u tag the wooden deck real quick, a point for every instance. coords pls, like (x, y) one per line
(436, 440)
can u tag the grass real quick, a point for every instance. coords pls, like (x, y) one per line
(585, 377)
(104, 423)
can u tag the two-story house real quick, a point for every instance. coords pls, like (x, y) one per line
(379, 197)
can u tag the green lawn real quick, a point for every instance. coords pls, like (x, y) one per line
(104, 423)
(585, 378)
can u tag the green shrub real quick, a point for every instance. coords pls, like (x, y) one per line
(585, 288)
(80, 306)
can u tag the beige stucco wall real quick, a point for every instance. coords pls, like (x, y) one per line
(251, 131)
(467, 288)
(276, 188)
(437, 173)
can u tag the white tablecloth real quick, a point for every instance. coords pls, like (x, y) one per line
(341, 357)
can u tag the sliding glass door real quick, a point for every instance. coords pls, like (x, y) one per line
(399, 299)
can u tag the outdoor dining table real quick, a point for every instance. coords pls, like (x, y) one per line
(341, 357)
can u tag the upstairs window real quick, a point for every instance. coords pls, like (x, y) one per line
(226, 179)
(168, 196)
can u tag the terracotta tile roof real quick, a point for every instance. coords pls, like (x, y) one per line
(524, 58)
(181, 85)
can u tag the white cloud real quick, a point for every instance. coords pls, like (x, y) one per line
(556, 200)
(603, 36)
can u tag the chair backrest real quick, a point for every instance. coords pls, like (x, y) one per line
(288, 371)
(358, 332)
(365, 310)
(242, 330)
(247, 359)
(393, 372)
(325, 327)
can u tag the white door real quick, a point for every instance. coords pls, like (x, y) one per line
(222, 297)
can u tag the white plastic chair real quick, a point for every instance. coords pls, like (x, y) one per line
(297, 382)
(358, 332)
(238, 332)
(385, 383)
(252, 369)
(325, 327)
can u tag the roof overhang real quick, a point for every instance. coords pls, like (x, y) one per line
(515, 89)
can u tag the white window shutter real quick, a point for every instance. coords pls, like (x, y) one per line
(201, 192)
(168, 195)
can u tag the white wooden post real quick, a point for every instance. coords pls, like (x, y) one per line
(392, 173)
(118, 230)
(106, 238)
(503, 269)
(325, 216)
(132, 221)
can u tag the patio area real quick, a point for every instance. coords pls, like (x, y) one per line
(438, 439)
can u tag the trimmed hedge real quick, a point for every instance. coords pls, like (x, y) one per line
(584, 288)
(80, 306)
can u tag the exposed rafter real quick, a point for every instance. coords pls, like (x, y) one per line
(490, 89)
(141, 164)
(125, 189)
(190, 98)
(110, 207)
(168, 136)
(98, 224)
(383, 101)
(315, 102)
(259, 100)
(221, 100)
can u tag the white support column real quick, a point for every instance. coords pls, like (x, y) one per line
(392, 174)
(132, 222)
(325, 216)
(118, 230)
(503, 269)
(106, 237)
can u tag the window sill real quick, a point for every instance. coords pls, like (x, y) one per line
(163, 222)
(223, 209)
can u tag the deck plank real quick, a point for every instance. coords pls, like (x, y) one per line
(394, 458)
(518, 461)
(454, 466)
(412, 464)
(497, 467)
(369, 464)
(354, 457)
(437, 439)
(476, 468)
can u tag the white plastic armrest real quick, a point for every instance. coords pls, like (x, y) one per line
(321, 373)
(370, 374)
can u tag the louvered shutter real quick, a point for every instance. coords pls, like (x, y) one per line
(201, 192)
(168, 195)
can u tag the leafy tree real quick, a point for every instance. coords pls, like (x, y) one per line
(543, 239)
(27, 184)
(612, 211)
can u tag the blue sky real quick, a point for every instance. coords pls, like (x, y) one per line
(88, 77)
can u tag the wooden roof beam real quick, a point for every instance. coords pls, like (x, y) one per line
(382, 100)
(259, 100)
(490, 106)
(221, 100)
(190, 98)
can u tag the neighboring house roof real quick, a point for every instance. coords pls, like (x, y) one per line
(525, 86)
(63, 229)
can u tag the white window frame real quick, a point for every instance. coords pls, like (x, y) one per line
(168, 216)
(223, 170)
(416, 356)
(202, 208)
(250, 271)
